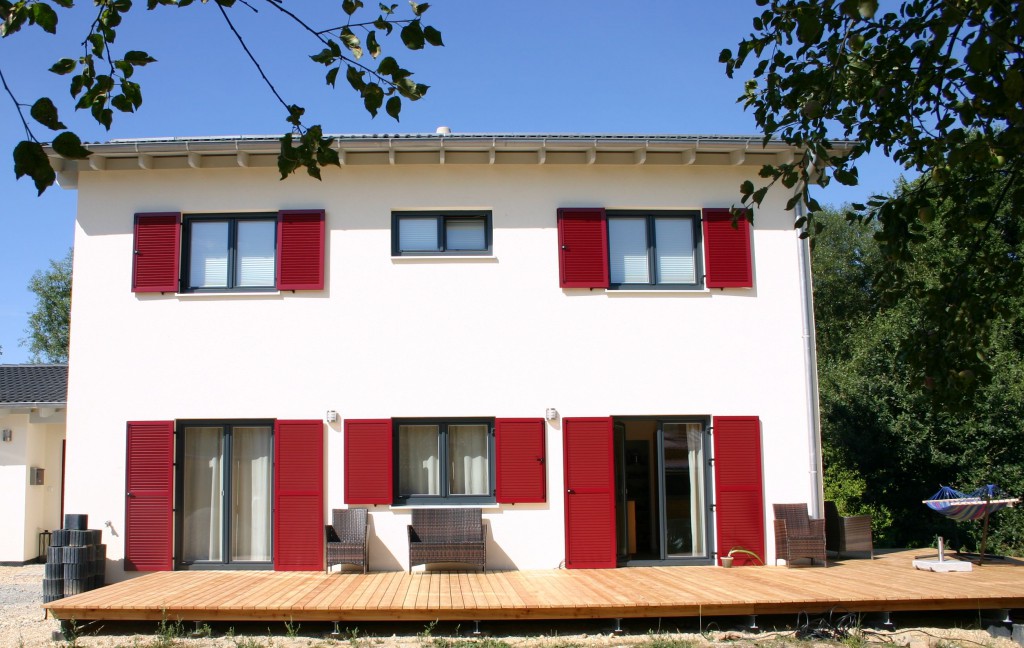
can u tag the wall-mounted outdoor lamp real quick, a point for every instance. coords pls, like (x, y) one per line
(551, 414)
(331, 416)
(7, 435)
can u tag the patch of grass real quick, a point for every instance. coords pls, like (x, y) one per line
(291, 630)
(485, 642)
(665, 641)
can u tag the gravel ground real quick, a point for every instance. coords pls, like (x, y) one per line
(22, 626)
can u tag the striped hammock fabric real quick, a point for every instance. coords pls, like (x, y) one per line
(964, 507)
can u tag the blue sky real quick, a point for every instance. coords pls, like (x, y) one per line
(595, 66)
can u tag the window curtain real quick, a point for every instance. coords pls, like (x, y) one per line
(417, 235)
(695, 455)
(467, 456)
(250, 482)
(465, 234)
(208, 267)
(627, 250)
(419, 469)
(675, 258)
(204, 455)
(255, 253)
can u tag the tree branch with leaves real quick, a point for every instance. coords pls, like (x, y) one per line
(101, 81)
(938, 85)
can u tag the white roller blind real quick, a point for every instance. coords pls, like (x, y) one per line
(255, 253)
(417, 235)
(208, 267)
(627, 250)
(673, 239)
(465, 234)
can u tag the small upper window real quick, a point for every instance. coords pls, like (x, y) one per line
(653, 250)
(230, 253)
(435, 233)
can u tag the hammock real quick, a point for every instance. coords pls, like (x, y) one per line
(976, 505)
(964, 507)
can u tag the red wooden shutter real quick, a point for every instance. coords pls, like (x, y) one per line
(368, 461)
(589, 493)
(298, 496)
(300, 249)
(582, 248)
(156, 252)
(519, 454)
(727, 260)
(739, 495)
(149, 500)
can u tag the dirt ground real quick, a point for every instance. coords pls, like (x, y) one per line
(22, 626)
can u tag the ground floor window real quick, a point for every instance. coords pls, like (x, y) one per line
(224, 482)
(444, 461)
(662, 485)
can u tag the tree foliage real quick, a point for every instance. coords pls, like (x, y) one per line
(886, 445)
(49, 325)
(939, 86)
(102, 81)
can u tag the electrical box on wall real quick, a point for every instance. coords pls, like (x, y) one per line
(35, 476)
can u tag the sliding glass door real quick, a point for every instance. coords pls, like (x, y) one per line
(224, 491)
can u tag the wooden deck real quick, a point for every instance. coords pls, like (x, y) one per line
(887, 584)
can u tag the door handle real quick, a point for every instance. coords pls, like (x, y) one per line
(571, 491)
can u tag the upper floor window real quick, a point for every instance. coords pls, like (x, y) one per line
(230, 253)
(656, 249)
(435, 233)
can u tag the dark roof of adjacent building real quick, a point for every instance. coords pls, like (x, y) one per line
(33, 384)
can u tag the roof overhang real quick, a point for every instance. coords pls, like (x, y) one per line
(261, 151)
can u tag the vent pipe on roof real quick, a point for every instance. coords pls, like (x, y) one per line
(443, 130)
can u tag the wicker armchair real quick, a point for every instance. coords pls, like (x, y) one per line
(346, 538)
(847, 533)
(447, 535)
(797, 535)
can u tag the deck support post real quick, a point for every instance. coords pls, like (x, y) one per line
(752, 624)
(1005, 613)
(617, 630)
(476, 629)
(887, 621)
(336, 633)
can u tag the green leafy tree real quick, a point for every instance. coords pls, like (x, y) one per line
(102, 81)
(49, 324)
(939, 86)
(887, 445)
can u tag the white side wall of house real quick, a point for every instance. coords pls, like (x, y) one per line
(449, 337)
(25, 509)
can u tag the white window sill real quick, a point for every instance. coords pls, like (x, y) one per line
(483, 507)
(655, 291)
(446, 258)
(224, 295)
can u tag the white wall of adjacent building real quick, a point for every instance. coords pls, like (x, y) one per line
(27, 510)
(437, 337)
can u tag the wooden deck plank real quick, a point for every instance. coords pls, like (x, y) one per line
(888, 583)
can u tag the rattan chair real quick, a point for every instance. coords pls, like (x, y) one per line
(447, 535)
(346, 539)
(847, 533)
(797, 535)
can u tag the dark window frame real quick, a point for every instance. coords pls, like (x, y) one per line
(444, 498)
(179, 494)
(232, 219)
(442, 217)
(650, 216)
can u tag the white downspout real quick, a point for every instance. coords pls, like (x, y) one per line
(811, 372)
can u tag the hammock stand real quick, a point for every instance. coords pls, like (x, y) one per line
(977, 505)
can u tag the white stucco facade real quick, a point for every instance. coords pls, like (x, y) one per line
(393, 337)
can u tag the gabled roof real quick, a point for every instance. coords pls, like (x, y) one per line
(29, 385)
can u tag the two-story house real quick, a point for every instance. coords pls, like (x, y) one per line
(567, 331)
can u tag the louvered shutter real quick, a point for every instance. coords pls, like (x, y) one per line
(300, 249)
(727, 258)
(149, 496)
(298, 495)
(589, 493)
(519, 455)
(157, 248)
(368, 461)
(739, 494)
(582, 248)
